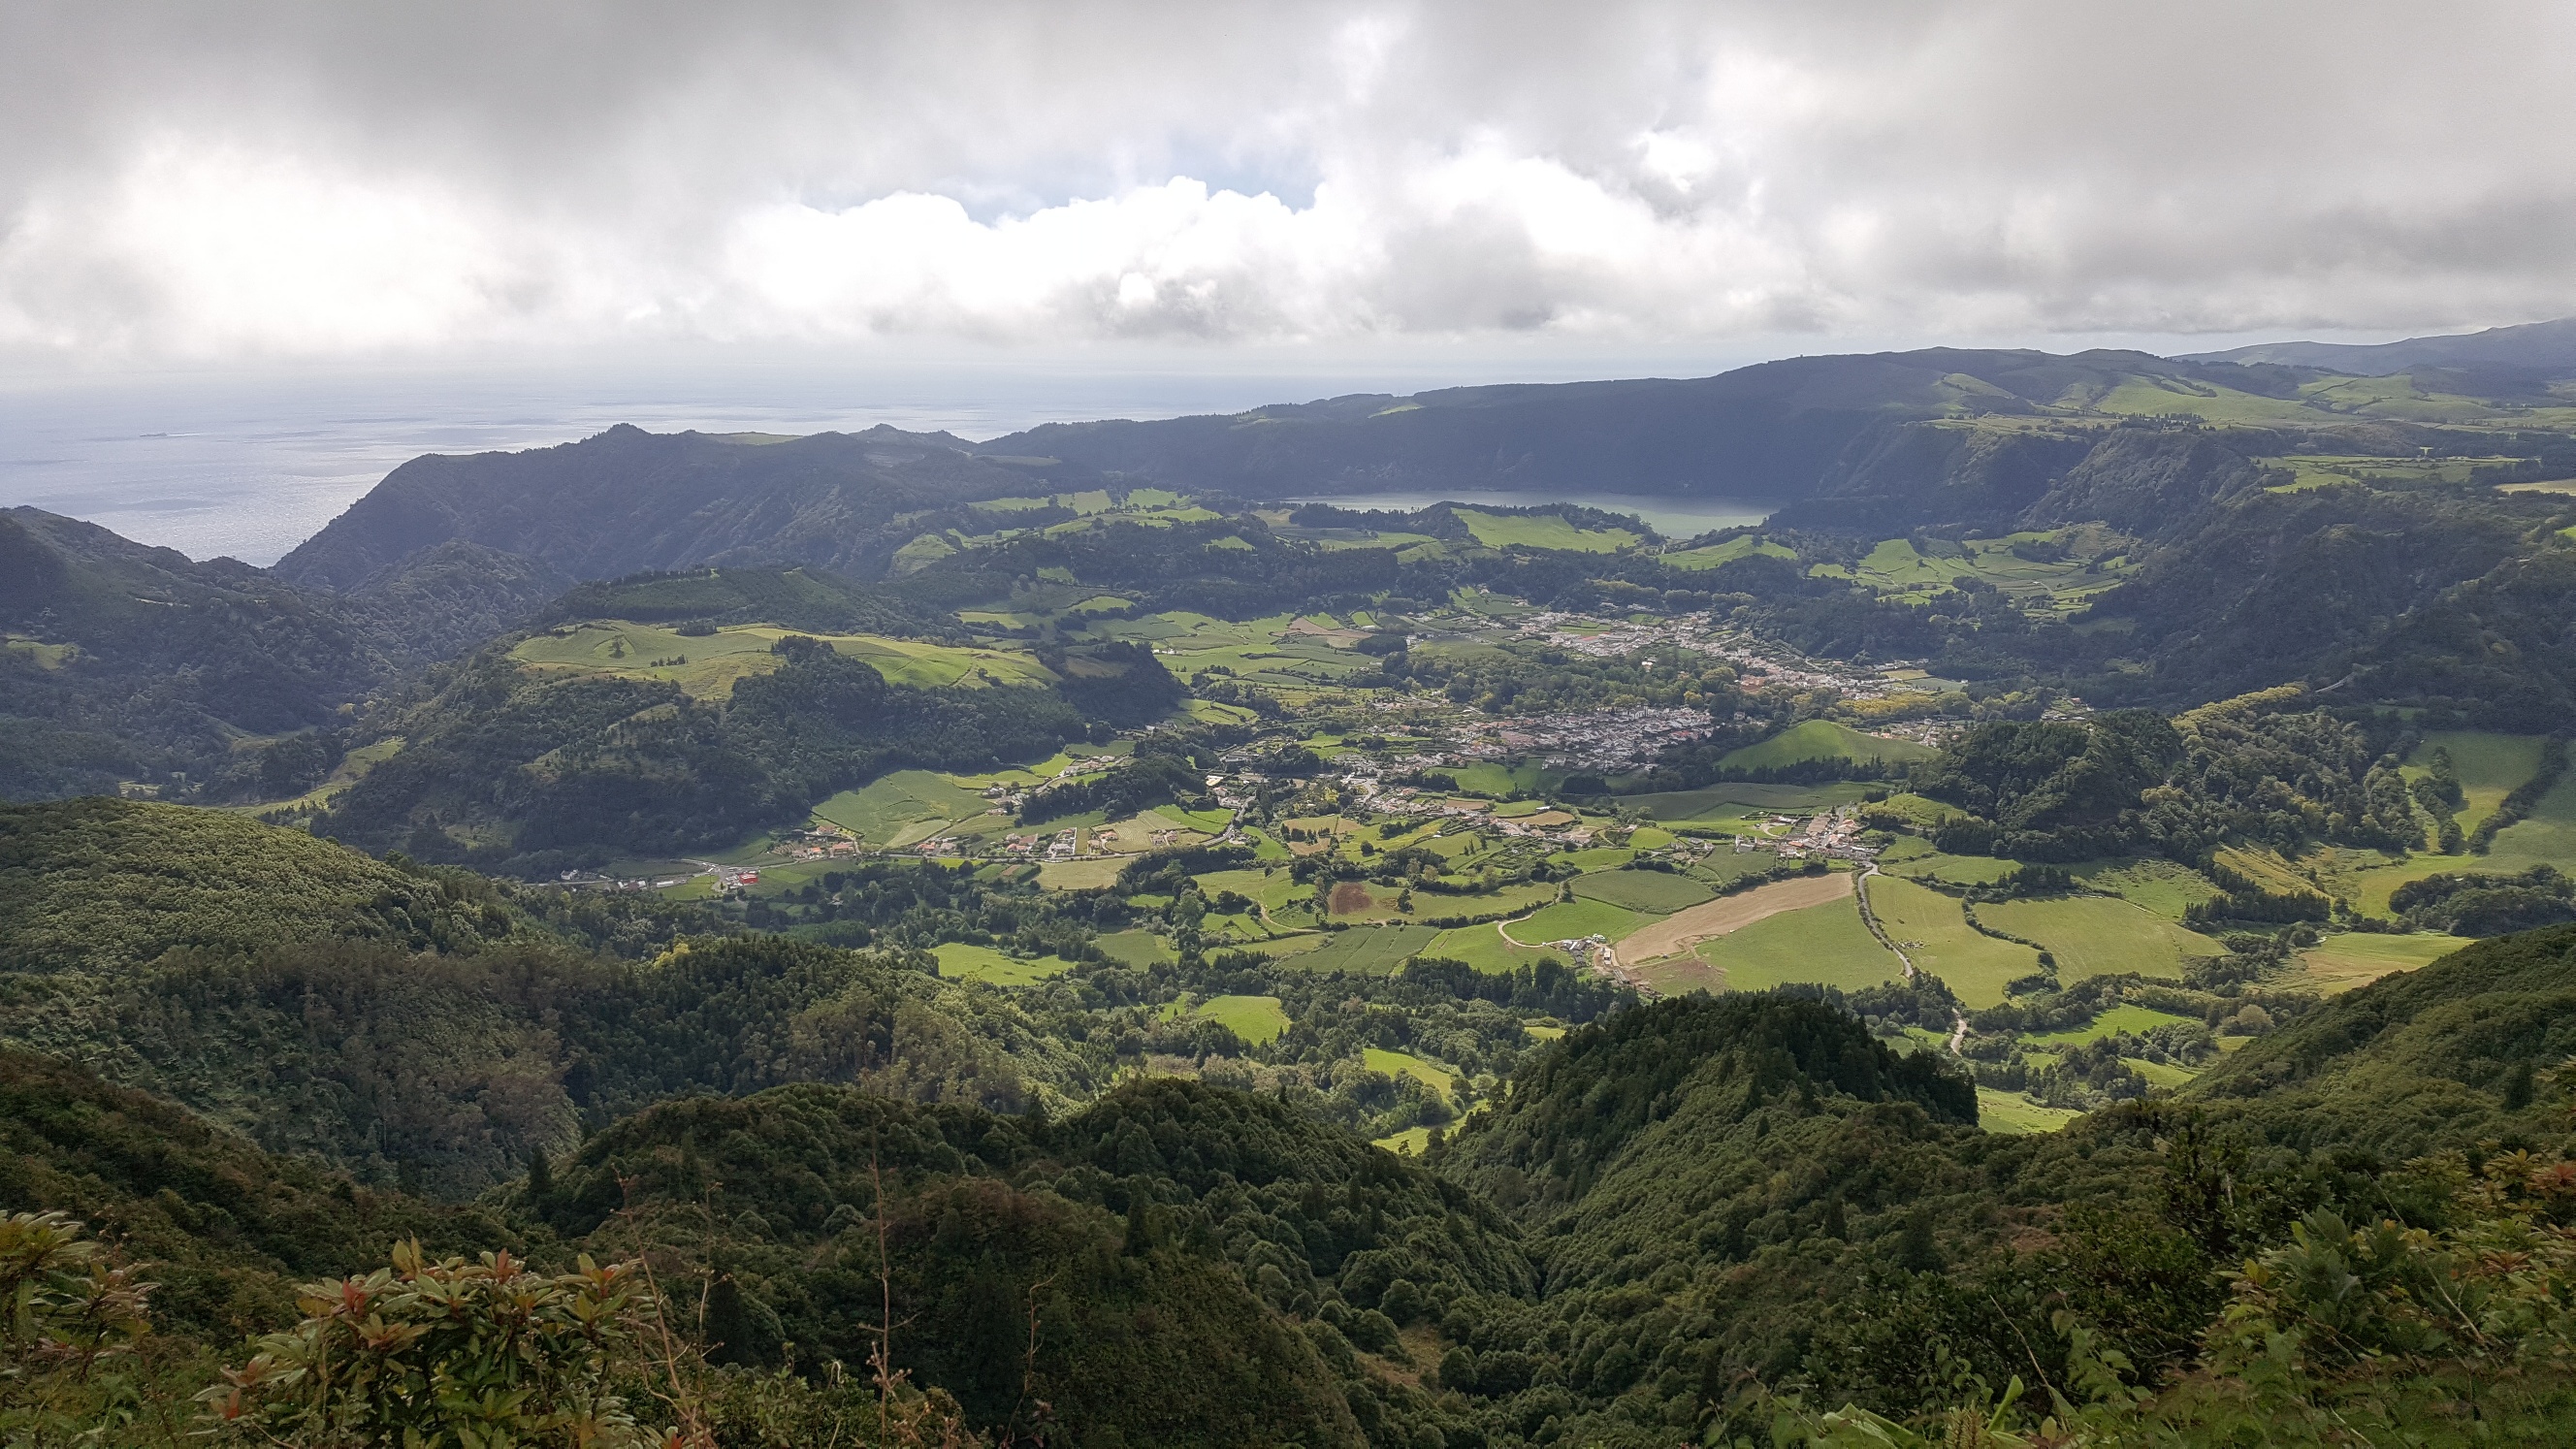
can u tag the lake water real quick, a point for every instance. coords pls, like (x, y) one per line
(1671, 517)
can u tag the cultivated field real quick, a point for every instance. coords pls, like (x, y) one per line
(1824, 944)
(1682, 930)
(1932, 929)
(1653, 891)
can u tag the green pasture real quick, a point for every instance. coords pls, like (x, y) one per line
(1901, 566)
(1574, 919)
(1956, 869)
(1542, 530)
(1932, 929)
(1367, 950)
(1136, 948)
(1718, 554)
(1822, 739)
(1594, 858)
(708, 666)
(1736, 800)
(2161, 886)
(1484, 948)
(2343, 961)
(960, 962)
(1405, 1064)
(2101, 936)
(1826, 945)
(1494, 781)
(2125, 1017)
(2012, 1114)
(1079, 875)
(908, 807)
(1642, 890)
(1256, 1019)
(2489, 767)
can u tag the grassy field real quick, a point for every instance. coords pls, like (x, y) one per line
(1411, 1142)
(1542, 530)
(1256, 1019)
(1642, 890)
(2128, 1017)
(2160, 886)
(1824, 944)
(2489, 766)
(1956, 869)
(1574, 919)
(1728, 552)
(2545, 837)
(709, 665)
(2342, 962)
(1484, 948)
(1405, 1064)
(908, 807)
(1932, 930)
(2101, 936)
(1728, 803)
(960, 962)
(1079, 875)
(1136, 948)
(1366, 950)
(1899, 566)
(1822, 739)
(2013, 1114)
(1258, 651)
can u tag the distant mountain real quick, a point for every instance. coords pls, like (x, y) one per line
(1769, 432)
(2547, 347)
(628, 500)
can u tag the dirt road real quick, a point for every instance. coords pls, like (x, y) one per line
(1708, 920)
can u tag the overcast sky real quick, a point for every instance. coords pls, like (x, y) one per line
(195, 182)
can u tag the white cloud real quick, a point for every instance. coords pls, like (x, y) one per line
(186, 184)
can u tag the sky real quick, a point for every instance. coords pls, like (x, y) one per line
(1271, 189)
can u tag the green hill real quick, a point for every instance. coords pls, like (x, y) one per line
(1822, 740)
(97, 884)
(2417, 1061)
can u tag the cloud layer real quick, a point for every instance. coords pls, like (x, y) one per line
(200, 180)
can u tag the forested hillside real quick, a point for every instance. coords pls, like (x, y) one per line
(2064, 934)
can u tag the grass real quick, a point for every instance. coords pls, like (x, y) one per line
(1956, 869)
(1932, 929)
(1405, 1064)
(1136, 948)
(1079, 875)
(1484, 948)
(1411, 1142)
(1728, 552)
(1256, 1019)
(1367, 950)
(2342, 962)
(2160, 886)
(1826, 945)
(1642, 890)
(2129, 1017)
(708, 666)
(1823, 739)
(1494, 781)
(1737, 800)
(2101, 936)
(961, 962)
(1542, 530)
(2489, 766)
(2014, 1115)
(906, 808)
(1574, 919)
